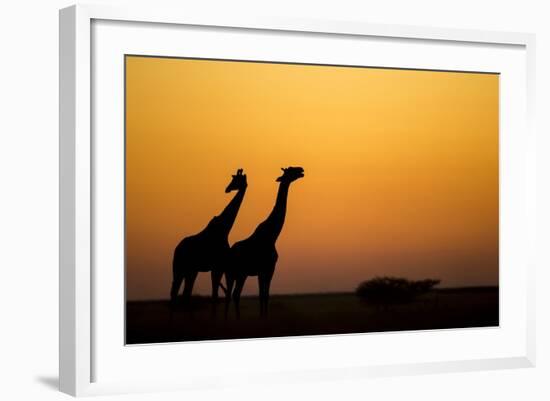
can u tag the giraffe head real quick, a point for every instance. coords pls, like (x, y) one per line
(238, 182)
(291, 174)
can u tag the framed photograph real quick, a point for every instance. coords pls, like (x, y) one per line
(274, 200)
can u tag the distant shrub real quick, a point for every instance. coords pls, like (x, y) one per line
(391, 290)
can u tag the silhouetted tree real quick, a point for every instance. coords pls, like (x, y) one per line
(392, 290)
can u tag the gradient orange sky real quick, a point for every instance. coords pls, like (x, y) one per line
(401, 169)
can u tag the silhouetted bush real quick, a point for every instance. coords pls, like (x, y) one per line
(391, 290)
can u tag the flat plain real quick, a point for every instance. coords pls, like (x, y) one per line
(308, 314)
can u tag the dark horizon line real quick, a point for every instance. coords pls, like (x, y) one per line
(308, 64)
(326, 293)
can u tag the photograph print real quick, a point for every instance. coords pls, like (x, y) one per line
(269, 199)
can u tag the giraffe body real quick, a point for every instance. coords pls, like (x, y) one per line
(208, 250)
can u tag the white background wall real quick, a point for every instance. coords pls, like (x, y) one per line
(29, 196)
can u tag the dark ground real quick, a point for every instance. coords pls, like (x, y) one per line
(311, 314)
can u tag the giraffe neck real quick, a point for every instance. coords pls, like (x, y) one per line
(227, 217)
(272, 226)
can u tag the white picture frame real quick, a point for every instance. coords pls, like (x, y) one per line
(79, 314)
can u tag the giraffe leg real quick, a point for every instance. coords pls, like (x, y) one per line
(229, 282)
(237, 295)
(261, 288)
(176, 283)
(264, 282)
(266, 291)
(216, 278)
(188, 286)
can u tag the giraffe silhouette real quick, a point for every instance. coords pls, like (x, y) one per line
(207, 250)
(257, 255)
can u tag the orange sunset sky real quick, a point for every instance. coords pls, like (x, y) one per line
(401, 169)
